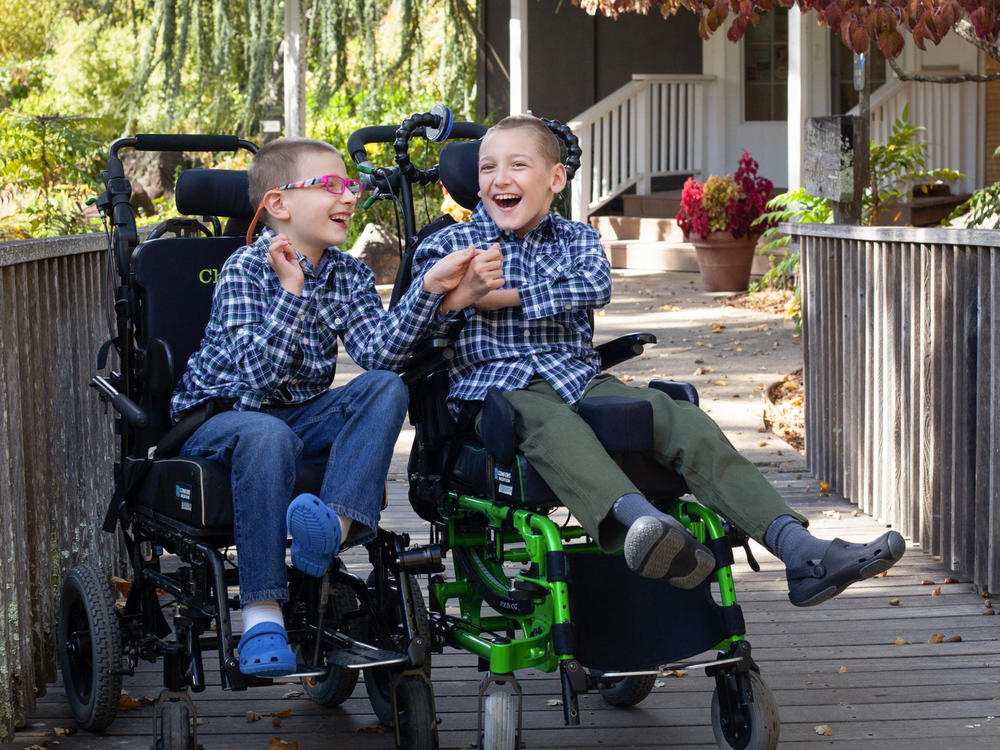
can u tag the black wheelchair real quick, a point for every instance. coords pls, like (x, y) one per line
(174, 515)
(487, 508)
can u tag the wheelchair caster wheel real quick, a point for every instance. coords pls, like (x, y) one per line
(500, 722)
(629, 691)
(90, 648)
(754, 727)
(176, 728)
(339, 684)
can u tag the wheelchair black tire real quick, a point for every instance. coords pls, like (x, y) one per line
(339, 684)
(500, 722)
(378, 682)
(628, 691)
(417, 723)
(175, 727)
(90, 647)
(762, 718)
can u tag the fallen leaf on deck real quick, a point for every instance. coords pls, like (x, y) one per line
(897, 641)
(63, 731)
(373, 729)
(292, 694)
(824, 487)
(276, 722)
(953, 639)
(703, 370)
(717, 328)
(277, 743)
(127, 703)
(936, 592)
(951, 580)
(675, 673)
(553, 702)
(936, 638)
(894, 602)
(122, 585)
(824, 730)
(843, 670)
(719, 382)
(927, 582)
(253, 716)
(282, 714)
(884, 573)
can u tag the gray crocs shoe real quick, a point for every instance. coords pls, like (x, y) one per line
(658, 547)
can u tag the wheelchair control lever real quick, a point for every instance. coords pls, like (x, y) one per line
(125, 406)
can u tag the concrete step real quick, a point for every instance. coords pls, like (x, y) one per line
(665, 203)
(643, 228)
(665, 256)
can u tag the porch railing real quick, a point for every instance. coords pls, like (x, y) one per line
(946, 111)
(902, 365)
(652, 126)
(56, 450)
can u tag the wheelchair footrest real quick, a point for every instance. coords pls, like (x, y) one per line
(357, 655)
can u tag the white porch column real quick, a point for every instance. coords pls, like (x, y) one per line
(294, 63)
(518, 57)
(798, 94)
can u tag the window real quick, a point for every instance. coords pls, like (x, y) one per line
(765, 64)
(842, 73)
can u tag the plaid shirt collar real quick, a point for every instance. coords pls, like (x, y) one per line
(484, 226)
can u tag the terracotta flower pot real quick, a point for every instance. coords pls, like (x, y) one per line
(724, 261)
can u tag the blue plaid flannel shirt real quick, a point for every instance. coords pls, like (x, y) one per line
(264, 344)
(561, 272)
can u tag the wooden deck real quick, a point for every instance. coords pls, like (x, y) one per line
(833, 665)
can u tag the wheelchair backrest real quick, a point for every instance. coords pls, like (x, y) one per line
(173, 280)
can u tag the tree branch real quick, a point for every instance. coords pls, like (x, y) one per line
(964, 29)
(964, 78)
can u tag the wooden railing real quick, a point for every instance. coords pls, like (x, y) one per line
(652, 126)
(902, 366)
(56, 450)
(948, 114)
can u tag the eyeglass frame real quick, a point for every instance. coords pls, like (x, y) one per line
(346, 183)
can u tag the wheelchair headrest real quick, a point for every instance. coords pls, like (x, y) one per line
(458, 170)
(214, 192)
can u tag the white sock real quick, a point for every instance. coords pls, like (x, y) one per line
(266, 610)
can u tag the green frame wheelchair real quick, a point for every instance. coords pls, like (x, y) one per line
(527, 588)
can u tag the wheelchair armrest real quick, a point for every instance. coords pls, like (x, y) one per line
(623, 348)
(677, 390)
(429, 355)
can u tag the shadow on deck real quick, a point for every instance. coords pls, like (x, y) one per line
(834, 665)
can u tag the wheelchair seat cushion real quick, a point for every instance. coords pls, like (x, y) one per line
(198, 492)
(623, 425)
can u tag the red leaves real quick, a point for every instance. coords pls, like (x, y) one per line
(859, 23)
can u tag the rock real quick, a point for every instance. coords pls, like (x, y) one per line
(140, 200)
(379, 250)
(157, 170)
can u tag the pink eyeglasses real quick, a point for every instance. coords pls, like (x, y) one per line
(331, 183)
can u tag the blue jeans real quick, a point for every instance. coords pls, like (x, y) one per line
(356, 424)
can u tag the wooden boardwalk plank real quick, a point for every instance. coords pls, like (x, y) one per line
(835, 665)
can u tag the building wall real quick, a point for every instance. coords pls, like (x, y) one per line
(991, 168)
(576, 59)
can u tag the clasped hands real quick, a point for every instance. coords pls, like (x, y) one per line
(471, 277)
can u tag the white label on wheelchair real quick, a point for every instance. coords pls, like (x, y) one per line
(503, 479)
(183, 493)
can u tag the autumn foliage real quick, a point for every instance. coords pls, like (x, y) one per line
(859, 23)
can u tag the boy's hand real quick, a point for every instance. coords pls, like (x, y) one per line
(446, 274)
(282, 258)
(483, 275)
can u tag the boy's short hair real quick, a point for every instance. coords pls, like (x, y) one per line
(277, 163)
(548, 143)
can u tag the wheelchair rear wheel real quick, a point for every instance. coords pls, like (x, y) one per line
(90, 648)
(759, 726)
(629, 691)
(500, 721)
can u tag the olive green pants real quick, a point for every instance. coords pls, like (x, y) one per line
(568, 456)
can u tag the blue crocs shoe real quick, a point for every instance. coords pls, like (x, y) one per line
(315, 531)
(264, 651)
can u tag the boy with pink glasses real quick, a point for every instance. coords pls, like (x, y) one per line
(268, 358)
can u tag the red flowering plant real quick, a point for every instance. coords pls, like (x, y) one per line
(726, 204)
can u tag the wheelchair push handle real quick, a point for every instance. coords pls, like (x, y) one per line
(182, 142)
(436, 126)
(125, 406)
